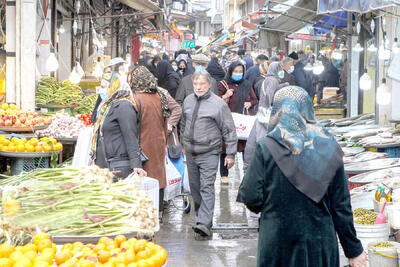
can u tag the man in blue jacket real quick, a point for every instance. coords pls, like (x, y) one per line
(253, 73)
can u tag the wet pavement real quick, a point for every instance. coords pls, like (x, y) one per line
(234, 240)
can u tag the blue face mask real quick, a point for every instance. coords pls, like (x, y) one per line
(237, 76)
(103, 94)
(199, 67)
(175, 68)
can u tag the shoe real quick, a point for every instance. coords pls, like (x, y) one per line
(224, 180)
(202, 230)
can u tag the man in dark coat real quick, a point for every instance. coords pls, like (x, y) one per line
(253, 73)
(302, 79)
(200, 62)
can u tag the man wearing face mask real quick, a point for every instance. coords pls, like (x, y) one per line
(206, 121)
(200, 62)
(302, 78)
(288, 68)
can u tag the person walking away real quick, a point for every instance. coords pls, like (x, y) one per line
(215, 69)
(167, 78)
(302, 79)
(115, 143)
(153, 64)
(152, 104)
(206, 121)
(343, 78)
(240, 97)
(248, 60)
(288, 69)
(185, 88)
(329, 77)
(296, 180)
(253, 73)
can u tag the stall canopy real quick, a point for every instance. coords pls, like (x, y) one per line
(327, 23)
(359, 6)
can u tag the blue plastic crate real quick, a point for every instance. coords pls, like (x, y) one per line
(394, 152)
(19, 165)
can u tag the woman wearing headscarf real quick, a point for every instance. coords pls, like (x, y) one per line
(240, 97)
(271, 83)
(296, 180)
(185, 68)
(152, 66)
(152, 106)
(263, 67)
(167, 78)
(174, 65)
(115, 139)
(215, 69)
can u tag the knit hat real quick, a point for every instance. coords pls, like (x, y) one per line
(294, 56)
(200, 58)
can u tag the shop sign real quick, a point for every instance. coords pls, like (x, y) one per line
(188, 44)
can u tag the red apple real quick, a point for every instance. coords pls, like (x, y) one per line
(2, 122)
(8, 123)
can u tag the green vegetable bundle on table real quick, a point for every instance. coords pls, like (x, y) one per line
(86, 105)
(70, 202)
(50, 92)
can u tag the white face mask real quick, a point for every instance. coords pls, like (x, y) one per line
(281, 74)
(290, 70)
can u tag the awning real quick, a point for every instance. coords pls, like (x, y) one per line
(327, 23)
(295, 18)
(142, 5)
(359, 6)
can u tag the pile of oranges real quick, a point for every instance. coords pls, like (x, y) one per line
(15, 144)
(119, 252)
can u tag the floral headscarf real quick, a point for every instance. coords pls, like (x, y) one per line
(305, 152)
(142, 81)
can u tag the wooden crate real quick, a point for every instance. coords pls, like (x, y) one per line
(329, 113)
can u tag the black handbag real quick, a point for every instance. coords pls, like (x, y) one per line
(174, 147)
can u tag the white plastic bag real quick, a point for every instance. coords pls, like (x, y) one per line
(186, 185)
(174, 179)
(82, 148)
(243, 125)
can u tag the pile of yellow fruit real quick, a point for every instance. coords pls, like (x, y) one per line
(15, 144)
(119, 252)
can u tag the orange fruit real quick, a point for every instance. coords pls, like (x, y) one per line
(23, 262)
(58, 146)
(46, 147)
(143, 254)
(141, 263)
(78, 245)
(20, 148)
(130, 257)
(5, 262)
(99, 247)
(12, 148)
(39, 237)
(151, 263)
(139, 245)
(45, 243)
(15, 256)
(120, 259)
(133, 264)
(34, 141)
(15, 140)
(6, 142)
(158, 259)
(85, 263)
(44, 258)
(31, 255)
(103, 256)
(29, 147)
(38, 149)
(164, 255)
(5, 148)
(67, 246)
(6, 250)
(63, 256)
(119, 239)
(132, 240)
(40, 264)
(29, 247)
(105, 240)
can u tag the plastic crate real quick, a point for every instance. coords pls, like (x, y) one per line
(19, 165)
(394, 152)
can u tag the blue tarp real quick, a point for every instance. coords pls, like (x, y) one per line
(222, 38)
(359, 6)
(321, 28)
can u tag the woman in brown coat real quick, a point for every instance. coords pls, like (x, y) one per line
(152, 105)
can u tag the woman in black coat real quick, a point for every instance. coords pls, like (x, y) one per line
(167, 78)
(215, 69)
(296, 180)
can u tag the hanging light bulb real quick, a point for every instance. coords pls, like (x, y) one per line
(383, 53)
(77, 6)
(372, 48)
(318, 68)
(365, 81)
(52, 62)
(382, 94)
(372, 25)
(395, 48)
(337, 55)
(308, 67)
(75, 27)
(358, 27)
(358, 47)
(76, 74)
(61, 29)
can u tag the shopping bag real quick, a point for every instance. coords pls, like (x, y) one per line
(180, 165)
(174, 179)
(243, 124)
(186, 185)
(82, 148)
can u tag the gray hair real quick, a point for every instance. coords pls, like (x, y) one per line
(202, 73)
(287, 60)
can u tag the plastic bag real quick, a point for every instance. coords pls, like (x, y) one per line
(174, 179)
(243, 124)
(180, 165)
(82, 148)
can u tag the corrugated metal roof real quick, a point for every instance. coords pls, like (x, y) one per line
(359, 6)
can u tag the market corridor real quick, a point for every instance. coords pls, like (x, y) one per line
(227, 247)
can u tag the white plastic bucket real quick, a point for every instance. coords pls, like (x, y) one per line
(394, 216)
(383, 257)
(372, 233)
